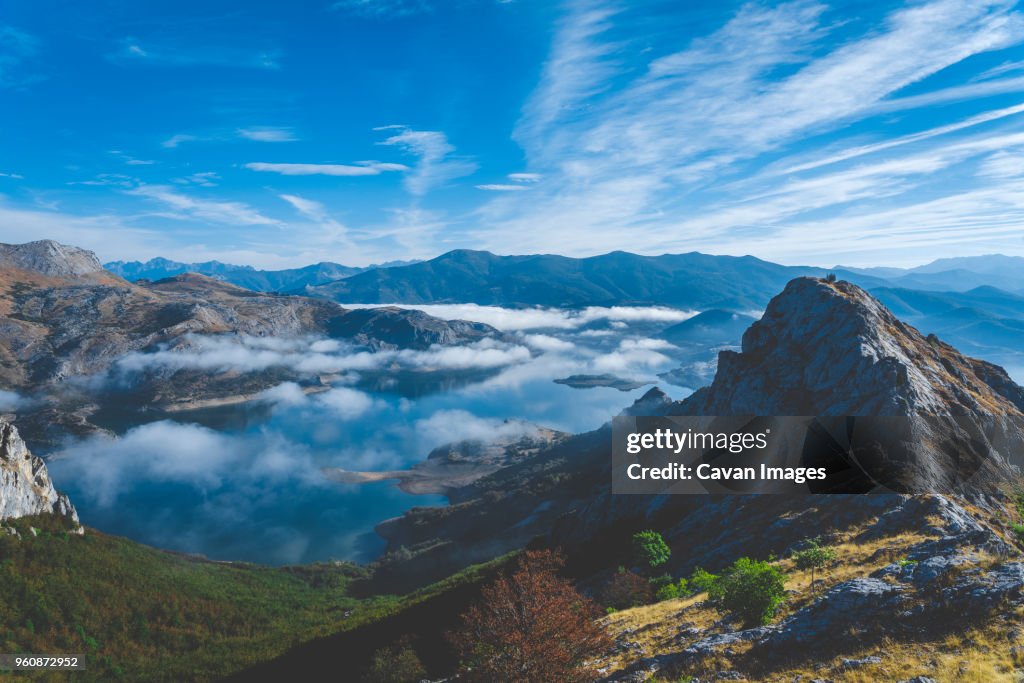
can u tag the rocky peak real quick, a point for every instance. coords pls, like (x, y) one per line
(49, 258)
(25, 486)
(830, 348)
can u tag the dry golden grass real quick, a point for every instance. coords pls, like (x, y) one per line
(980, 652)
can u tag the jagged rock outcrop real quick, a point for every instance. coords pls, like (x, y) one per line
(830, 348)
(25, 486)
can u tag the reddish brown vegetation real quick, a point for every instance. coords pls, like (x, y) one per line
(531, 626)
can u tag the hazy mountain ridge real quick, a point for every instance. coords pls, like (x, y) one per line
(282, 280)
(692, 280)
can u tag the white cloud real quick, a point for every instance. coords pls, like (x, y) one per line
(364, 168)
(13, 176)
(626, 152)
(268, 134)
(254, 354)
(383, 8)
(514, 319)
(230, 213)
(436, 165)
(525, 177)
(136, 52)
(178, 139)
(497, 187)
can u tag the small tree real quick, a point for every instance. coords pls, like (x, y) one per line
(650, 549)
(395, 664)
(531, 626)
(750, 589)
(814, 557)
(627, 589)
(667, 588)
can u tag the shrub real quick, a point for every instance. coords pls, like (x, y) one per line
(650, 549)
(531, 626)
(627, 589)
(1018, 531)
(672, 590)
(701, 581)
(814, 557)
(751, 590)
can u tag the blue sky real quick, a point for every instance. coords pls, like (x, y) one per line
(283, 133)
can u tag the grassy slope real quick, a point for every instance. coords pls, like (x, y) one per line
(949, 652)
(142, 614)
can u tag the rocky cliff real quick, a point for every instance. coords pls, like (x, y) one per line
(25, 486)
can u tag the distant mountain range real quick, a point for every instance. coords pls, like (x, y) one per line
(242, 276)
(690, 280)
(957, 274)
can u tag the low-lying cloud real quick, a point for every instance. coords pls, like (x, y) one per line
(315, 356)
(536, 318)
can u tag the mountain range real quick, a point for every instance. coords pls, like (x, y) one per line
(244, 276)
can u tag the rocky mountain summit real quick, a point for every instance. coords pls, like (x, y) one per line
(830, 348)
(49, 258)
(25, 486)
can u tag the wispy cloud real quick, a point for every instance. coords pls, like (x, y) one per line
(16, 49)
(142, 52)
(500, 187)
(13, 176)
(624, 150)
(383, 8)
(362, 168)
(267, 134)
(183, 205)
(436, 165)
(178, 139)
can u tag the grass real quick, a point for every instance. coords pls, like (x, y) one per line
(973, 652)
(137, 613)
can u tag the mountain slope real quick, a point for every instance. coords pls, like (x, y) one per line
(691, 280)
(820, 349)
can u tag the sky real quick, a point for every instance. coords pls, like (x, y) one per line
(278, 134)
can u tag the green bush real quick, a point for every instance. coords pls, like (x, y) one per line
(751, 590)
(672, 590)
(650, 549)
(701, 581)
(1018, 531)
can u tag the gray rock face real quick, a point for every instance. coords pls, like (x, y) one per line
(25, 486)
(49, 258)
(826, 348)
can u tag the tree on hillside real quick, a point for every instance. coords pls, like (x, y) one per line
(814, 557)
(530, 626)
(650, 549)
